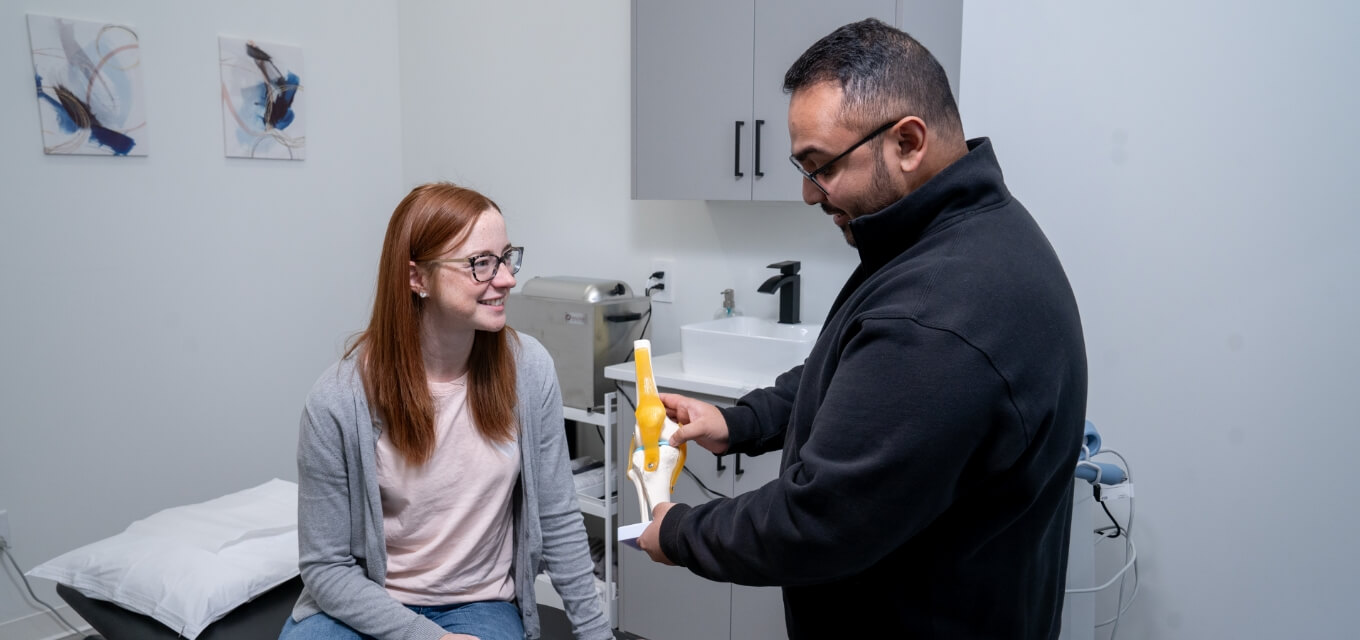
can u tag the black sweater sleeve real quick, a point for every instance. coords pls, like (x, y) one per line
(756, 424)
(911, 417)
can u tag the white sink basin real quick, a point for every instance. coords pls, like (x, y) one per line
(745, 348)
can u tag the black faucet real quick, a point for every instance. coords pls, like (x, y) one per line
(786, 283)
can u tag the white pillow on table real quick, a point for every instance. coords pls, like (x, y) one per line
(188, 566)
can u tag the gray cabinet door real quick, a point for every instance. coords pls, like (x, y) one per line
(710, 117)
(660, 602)
(758, 613)
(756, 472)
(784, 29)
(691, 86)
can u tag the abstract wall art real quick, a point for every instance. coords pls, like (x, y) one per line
(89, 82)
(262, 100)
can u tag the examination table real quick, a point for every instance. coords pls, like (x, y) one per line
(260, 618)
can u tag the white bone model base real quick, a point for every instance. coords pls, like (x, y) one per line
(654, 487)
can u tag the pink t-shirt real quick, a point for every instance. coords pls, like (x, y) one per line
(450, 537)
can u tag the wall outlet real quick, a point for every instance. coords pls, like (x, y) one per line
(666, 291)
(4, 527)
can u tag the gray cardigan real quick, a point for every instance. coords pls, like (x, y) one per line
(343, 553)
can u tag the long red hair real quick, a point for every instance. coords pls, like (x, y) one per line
(425, 224)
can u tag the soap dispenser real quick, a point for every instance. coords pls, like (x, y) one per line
(729, 306)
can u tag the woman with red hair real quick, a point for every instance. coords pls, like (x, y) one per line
(432, 469)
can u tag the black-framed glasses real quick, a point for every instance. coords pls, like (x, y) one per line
(812, 175)
(485, 266)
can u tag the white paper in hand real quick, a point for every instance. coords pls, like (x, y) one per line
(628, 534)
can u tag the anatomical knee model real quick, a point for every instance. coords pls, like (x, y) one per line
(653, 465)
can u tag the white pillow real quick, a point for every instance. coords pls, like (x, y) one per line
(189, 566)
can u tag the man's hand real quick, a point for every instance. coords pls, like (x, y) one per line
(699, 421)
(650, 540)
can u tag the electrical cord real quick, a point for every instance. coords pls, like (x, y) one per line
(652, 285)
(1118, 531)
(646, 320)
(619, 388)
(1130, 550)
(703, 486)
(1128, 473)
(1117, 575)
(1115, 620)
(4, 548)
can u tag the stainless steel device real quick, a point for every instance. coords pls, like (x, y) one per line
(586, 324)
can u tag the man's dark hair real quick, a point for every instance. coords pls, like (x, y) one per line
(883, 74)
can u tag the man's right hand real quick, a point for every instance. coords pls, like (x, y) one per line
(699, 421)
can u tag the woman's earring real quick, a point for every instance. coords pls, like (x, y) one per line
(424, 294)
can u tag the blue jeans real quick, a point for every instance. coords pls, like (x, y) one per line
(496, 620)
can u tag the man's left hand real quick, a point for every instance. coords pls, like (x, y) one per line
(650, 540)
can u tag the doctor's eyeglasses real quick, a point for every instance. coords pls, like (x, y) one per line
(813, 174)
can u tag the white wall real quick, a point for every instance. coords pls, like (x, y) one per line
(530, 102)
(1191, 165)
(163, 317)
(1194, 164)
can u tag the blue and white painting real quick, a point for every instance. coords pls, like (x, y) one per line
(262, 100)
(89, 81)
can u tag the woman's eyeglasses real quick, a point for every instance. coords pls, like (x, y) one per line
(485, 266)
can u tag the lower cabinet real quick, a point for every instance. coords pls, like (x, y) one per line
(660, 602)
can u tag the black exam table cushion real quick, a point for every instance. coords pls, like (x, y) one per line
(259, 619)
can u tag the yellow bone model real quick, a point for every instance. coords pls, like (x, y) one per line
(653, 465)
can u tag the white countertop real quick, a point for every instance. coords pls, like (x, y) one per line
(670, 374)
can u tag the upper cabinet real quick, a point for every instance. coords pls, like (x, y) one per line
(710, 117)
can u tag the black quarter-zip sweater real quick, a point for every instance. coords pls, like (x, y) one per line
(929, 440)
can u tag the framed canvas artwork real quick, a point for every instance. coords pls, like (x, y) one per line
(262, 100)
(89, 81)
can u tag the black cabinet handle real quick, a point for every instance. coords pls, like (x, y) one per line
(736, 167)
(759, 123)
(739, 471)
(721, 466)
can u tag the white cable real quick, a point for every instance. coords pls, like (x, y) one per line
(1128, 471)
(1126, 604)
(1134, 554)
(1120, 606)
(4, 549)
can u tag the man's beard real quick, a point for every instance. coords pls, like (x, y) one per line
(881, 193)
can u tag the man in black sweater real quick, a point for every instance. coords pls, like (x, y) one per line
(929, 440)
